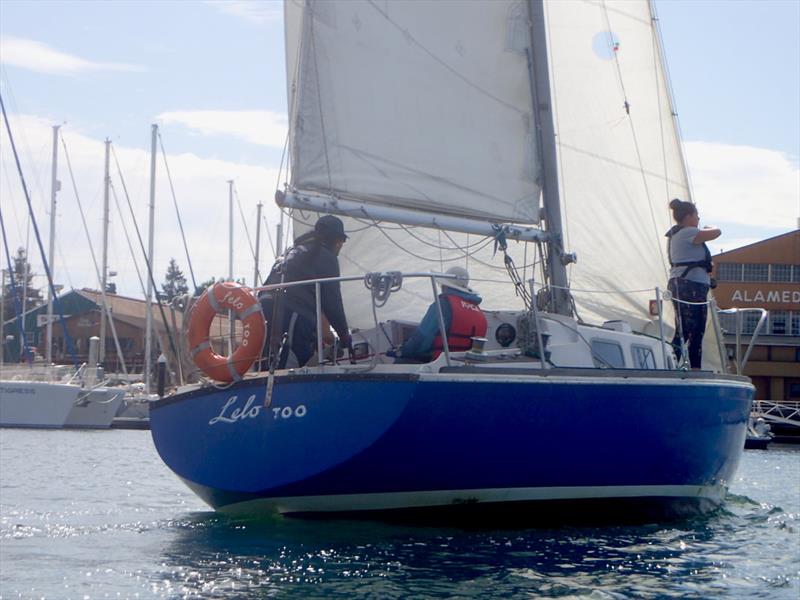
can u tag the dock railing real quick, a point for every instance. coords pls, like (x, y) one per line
(738, 312)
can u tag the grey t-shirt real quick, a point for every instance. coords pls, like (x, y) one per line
(682, 249)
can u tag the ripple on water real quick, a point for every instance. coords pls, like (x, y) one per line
(125, 527)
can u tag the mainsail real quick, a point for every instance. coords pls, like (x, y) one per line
(427, 106)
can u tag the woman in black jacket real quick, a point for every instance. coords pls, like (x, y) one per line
(313, 256)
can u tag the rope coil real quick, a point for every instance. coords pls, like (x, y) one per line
(381, 285)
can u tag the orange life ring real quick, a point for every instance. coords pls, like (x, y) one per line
(222, 297)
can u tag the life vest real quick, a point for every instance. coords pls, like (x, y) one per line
(467, 321)
(706, 263)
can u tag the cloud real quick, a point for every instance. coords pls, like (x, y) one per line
(202, 195)
(261, 127)
(36, 56)
(260, 12)
(749, 186)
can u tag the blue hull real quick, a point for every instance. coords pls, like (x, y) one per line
(351, 443)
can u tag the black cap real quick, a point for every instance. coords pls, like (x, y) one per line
(330, 227)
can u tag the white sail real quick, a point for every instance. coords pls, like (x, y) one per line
(619, 163)
(423, 105)
(397, 248)
(427, 105)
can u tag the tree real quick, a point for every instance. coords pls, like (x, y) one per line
(198, 291)
(174, 282)
(204, 285)
(23, 280)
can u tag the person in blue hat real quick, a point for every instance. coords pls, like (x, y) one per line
(313, 256)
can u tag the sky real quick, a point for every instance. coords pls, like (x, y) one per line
(211, 75)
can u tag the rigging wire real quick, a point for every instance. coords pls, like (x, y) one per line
(244, 222)
(634, 137)
(269, 236)
(671, 96)
(167, 328)
(177, 211)
(67, 337)
(106, 305)
(128, 239)
(15, 289)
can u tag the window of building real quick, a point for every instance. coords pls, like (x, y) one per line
(749, 322)
(729, 271)
(728, 322)
(794, 325)
(755, 272)
(778, 322)
(796, 274)
(643, 358)
(607, 355)
(780, 273)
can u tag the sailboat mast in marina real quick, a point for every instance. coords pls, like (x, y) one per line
(534, 144)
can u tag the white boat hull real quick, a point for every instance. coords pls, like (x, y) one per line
(95, 409)
(36, 403)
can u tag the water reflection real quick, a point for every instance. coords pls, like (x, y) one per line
(213, 556)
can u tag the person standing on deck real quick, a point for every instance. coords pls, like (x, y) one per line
(689, 278)
(313, 256)
(463, 320)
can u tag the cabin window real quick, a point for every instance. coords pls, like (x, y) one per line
(643, 358)
(607, 355)
(780, 273)
(729, 271)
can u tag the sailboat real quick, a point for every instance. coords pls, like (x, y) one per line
(43, 395)
(535, 143)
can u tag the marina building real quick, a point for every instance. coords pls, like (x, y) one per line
(764, 275)
(82, 311)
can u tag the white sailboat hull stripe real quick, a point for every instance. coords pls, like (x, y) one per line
(403, 500)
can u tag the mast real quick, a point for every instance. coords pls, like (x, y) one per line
(148, 339)
(230, 230)
(258, 242)
(230, 261)
(279, 238)
(557, 258)
(104, 259)
(54, 187)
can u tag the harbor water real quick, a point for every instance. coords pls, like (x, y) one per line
(98, 515)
